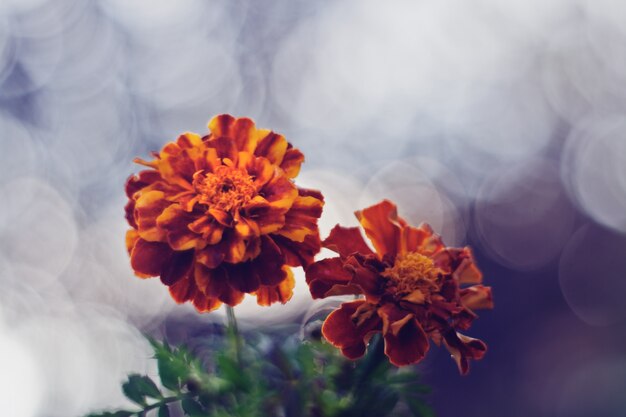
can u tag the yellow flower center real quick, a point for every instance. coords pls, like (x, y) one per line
(412, 273)
(226, 188)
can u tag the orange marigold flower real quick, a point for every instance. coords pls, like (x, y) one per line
(413, 287)
(219, 216)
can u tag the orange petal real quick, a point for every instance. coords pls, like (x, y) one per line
(240, 249)
(225, 147)
(241, 130)
(272, 146)
(131, 238)
(382, 226)
(183, 290)
(148, 258)
(229, 295)
(405, 342)
(280, 192)
(341, 331)
(365, 275)
(210, 230)
(243, 277)
(346, 240)
(291, 162)
(175, 222)
(209, 281)
(463, 348)
(327, 277)
(212, 255)
(143, 179)
(268, 218)
(301, 219)
(477, 297)
(260, 169)
(467, 272)
(177, 267)
(298, 253)
(270, 294)
(205, 304)
(148, 208)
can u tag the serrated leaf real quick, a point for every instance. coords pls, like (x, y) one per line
(231, 372)
(164, 411)
(144, 386)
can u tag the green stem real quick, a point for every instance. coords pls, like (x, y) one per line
(233, 331)
(162, 402)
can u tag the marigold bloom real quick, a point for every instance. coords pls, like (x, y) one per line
(220, 216)
(413, 287)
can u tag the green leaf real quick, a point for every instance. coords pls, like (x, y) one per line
(231, 371)
(192, 407)
(132, 392)
(164, 411)
(145, 386)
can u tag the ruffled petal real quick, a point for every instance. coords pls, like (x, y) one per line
(365, 275)
(271, 146)
(466, 271)
(209, 281)
(382, 226)
(148, 208)
(267, 217)
(328, 277)
(477, 297)
(301, 219)
(138, 182)
(243, 277)
(207, 227)
(175, 222)
(205, 304)
(260, 169)
(343, 329)
(225, 148)
(269, 294)
(406, 342)
(280, 192)
(241, 130)
(298, 253)
(346, 240)
(177, 267)
(148, 258)
(291, 162)
(183, 290)
(463, 348)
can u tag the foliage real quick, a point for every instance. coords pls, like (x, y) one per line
(258, 377)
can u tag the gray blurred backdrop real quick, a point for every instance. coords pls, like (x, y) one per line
(500, 122)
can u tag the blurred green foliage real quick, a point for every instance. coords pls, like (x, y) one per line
(260, 377)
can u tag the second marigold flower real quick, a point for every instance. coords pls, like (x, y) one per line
(413, 289)
(219, 216)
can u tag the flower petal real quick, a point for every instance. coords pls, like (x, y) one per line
(226, 149)
(175, 222)
(327, 277)
(405, 340)
(382, 226)
(463, 348)
(269, 264)
(280, 192)
(270, 294)
(177, 267)
(477, 297)
(243, 277)
(345, 241)
(466, 272)
(183, 290)
(271, 146)
(301, 219)
(241, 130)
(148, 258)
(268, 218)
(341, 330)
(260, 169)
(292, 161)
(209, 228)
(143, 179)
(205, 304)
(148, 208)
(365, 275)
(298, 253)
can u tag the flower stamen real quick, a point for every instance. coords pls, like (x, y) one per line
(227, 188)
(411, 272)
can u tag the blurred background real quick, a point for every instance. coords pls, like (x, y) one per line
(500, 122)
